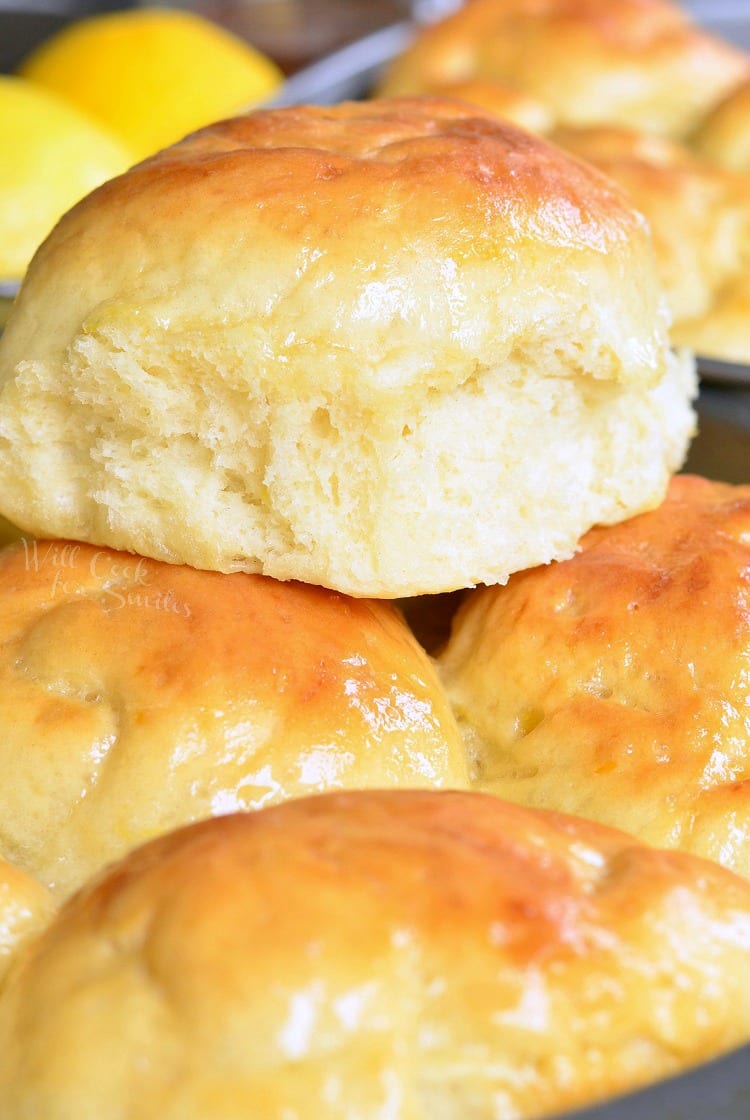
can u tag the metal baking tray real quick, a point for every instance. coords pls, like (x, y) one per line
(720, 1089)
(723, 373)
(721, 450)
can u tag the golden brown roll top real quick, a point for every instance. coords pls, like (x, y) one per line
(615, 684)
(411, 348)
(499, 99)
(699, 216)
(267, 191)
(139, 696)
(409, 954)
(640, 63)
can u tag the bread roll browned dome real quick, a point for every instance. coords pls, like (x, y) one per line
(413, 955)
(138, 696)
(641, 63)
(389, 347)
(616, 684)
(499, 99)
(699, 216)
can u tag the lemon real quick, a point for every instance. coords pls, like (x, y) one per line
(152, 75)
(50, 156)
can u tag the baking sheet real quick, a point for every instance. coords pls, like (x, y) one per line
(721, 450)
(723, 373)
(719, 1090)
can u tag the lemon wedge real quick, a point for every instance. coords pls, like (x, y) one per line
(50, 156)
(151, 75)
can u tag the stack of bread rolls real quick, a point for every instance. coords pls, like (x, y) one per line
(641, 91)
(642, 64)
(303, 364)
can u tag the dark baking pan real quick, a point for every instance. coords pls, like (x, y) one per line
(722, 449)
(27, 25)
(21, 30)
(718, 1090)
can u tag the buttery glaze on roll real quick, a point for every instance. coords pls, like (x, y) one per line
(616, 684)
(640, 63)
(410, 955)
(26, 907)
(139, 696)
(388, 347)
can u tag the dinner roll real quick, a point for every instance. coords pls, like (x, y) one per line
(499, 99)
(700, 220)
(26, 906)
(387, 347)
(410, 955)
(725, 331)
(642, 63)
(616, 684)
(724, 135)
(139, 696)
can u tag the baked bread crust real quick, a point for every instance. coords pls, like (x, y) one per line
(387, 347)
(615, 684)
(640, 63)
(430, 956)
(139, 696)
(699, 214)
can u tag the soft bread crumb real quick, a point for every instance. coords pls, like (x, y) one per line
(453, 383)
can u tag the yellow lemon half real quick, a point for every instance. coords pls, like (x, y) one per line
(50, 156)
(152, 74)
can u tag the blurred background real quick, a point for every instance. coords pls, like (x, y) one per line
(294, 32)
